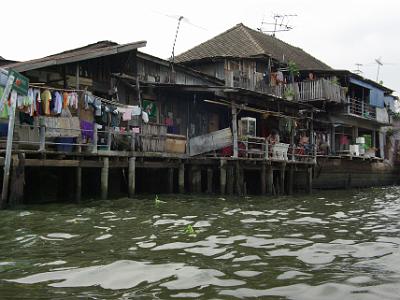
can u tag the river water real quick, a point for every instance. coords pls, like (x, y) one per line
(330, 245)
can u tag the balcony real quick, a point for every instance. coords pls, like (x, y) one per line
(361, 109)
(306, 91)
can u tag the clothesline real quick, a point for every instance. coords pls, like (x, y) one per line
(55, 89)
(111, 102)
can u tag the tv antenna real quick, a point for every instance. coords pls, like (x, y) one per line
(358, 70)
(180, 19)
(380, 64)
(280, 24)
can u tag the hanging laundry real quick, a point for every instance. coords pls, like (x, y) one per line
(4, 111)
(87, 130)
(127, 115)
(65, 100)
(73, 100)
(46, 99)
(58, 103)
(97, 107)
(25, 118)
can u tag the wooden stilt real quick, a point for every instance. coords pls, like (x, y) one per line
(270, 180)
(238, 179)
(222, 177)
(78, 190)
(170, 180)
(132, 177)
(291, 180)
(230, 178)
(17, 180)
(309, 180)
(104, 178)
(209, 180)
(282, 179)
(198, 180)
(263, 180)
(181, 178)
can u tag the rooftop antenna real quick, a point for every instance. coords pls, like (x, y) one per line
(379, 63)
(280, 24)
(358, 70)
(180, 19)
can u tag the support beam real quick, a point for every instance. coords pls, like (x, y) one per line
(181, 178)
(209, 180)
(270, 180)
(170, 180)
(222, 176)
(78, 195)
(104, 177)
(132, 177)
(263, 180)
(333, 140)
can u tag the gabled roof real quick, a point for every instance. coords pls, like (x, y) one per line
(244, 42)
(99, 49)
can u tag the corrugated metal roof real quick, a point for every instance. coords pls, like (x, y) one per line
(242, 41)
(99, 49)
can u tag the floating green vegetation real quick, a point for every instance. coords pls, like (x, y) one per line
(157, 201)
(189, 230)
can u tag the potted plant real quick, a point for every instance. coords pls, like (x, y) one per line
(289, 93)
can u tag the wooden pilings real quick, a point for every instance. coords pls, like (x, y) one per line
(104, 178)
(263, 180)
(132, 177)
(270, 180)
(309, 178)
(222, 177)
(209, 180)
(78, 188)
(181, 178)
(170, 180)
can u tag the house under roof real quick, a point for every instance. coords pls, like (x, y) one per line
(99, 49)
(244, 42)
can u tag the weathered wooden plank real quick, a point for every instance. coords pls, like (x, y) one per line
(210, 142)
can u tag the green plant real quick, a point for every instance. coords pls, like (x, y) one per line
(157, 201)
(293, 70)
(288, 93)
(189, 230)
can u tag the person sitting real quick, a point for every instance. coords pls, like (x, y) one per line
(304, 143)
(273, 137)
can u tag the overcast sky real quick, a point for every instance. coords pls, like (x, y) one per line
(341, 33)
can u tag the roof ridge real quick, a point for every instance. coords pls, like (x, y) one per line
(250, 36)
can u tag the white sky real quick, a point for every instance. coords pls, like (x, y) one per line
(340, 33)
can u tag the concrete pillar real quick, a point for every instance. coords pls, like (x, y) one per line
(104, 177)
(222, 176)
(132, 177)
(181, 178)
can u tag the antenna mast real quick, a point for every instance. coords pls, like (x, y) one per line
(379, 63)
(176, 36)
(280, 23)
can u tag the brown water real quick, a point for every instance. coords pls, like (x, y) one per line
(331, 245)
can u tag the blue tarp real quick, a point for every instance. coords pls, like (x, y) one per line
(376, 96)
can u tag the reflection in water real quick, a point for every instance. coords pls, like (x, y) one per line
(332, 245)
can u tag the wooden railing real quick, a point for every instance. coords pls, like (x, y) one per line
(321, 89)
(360, 108)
